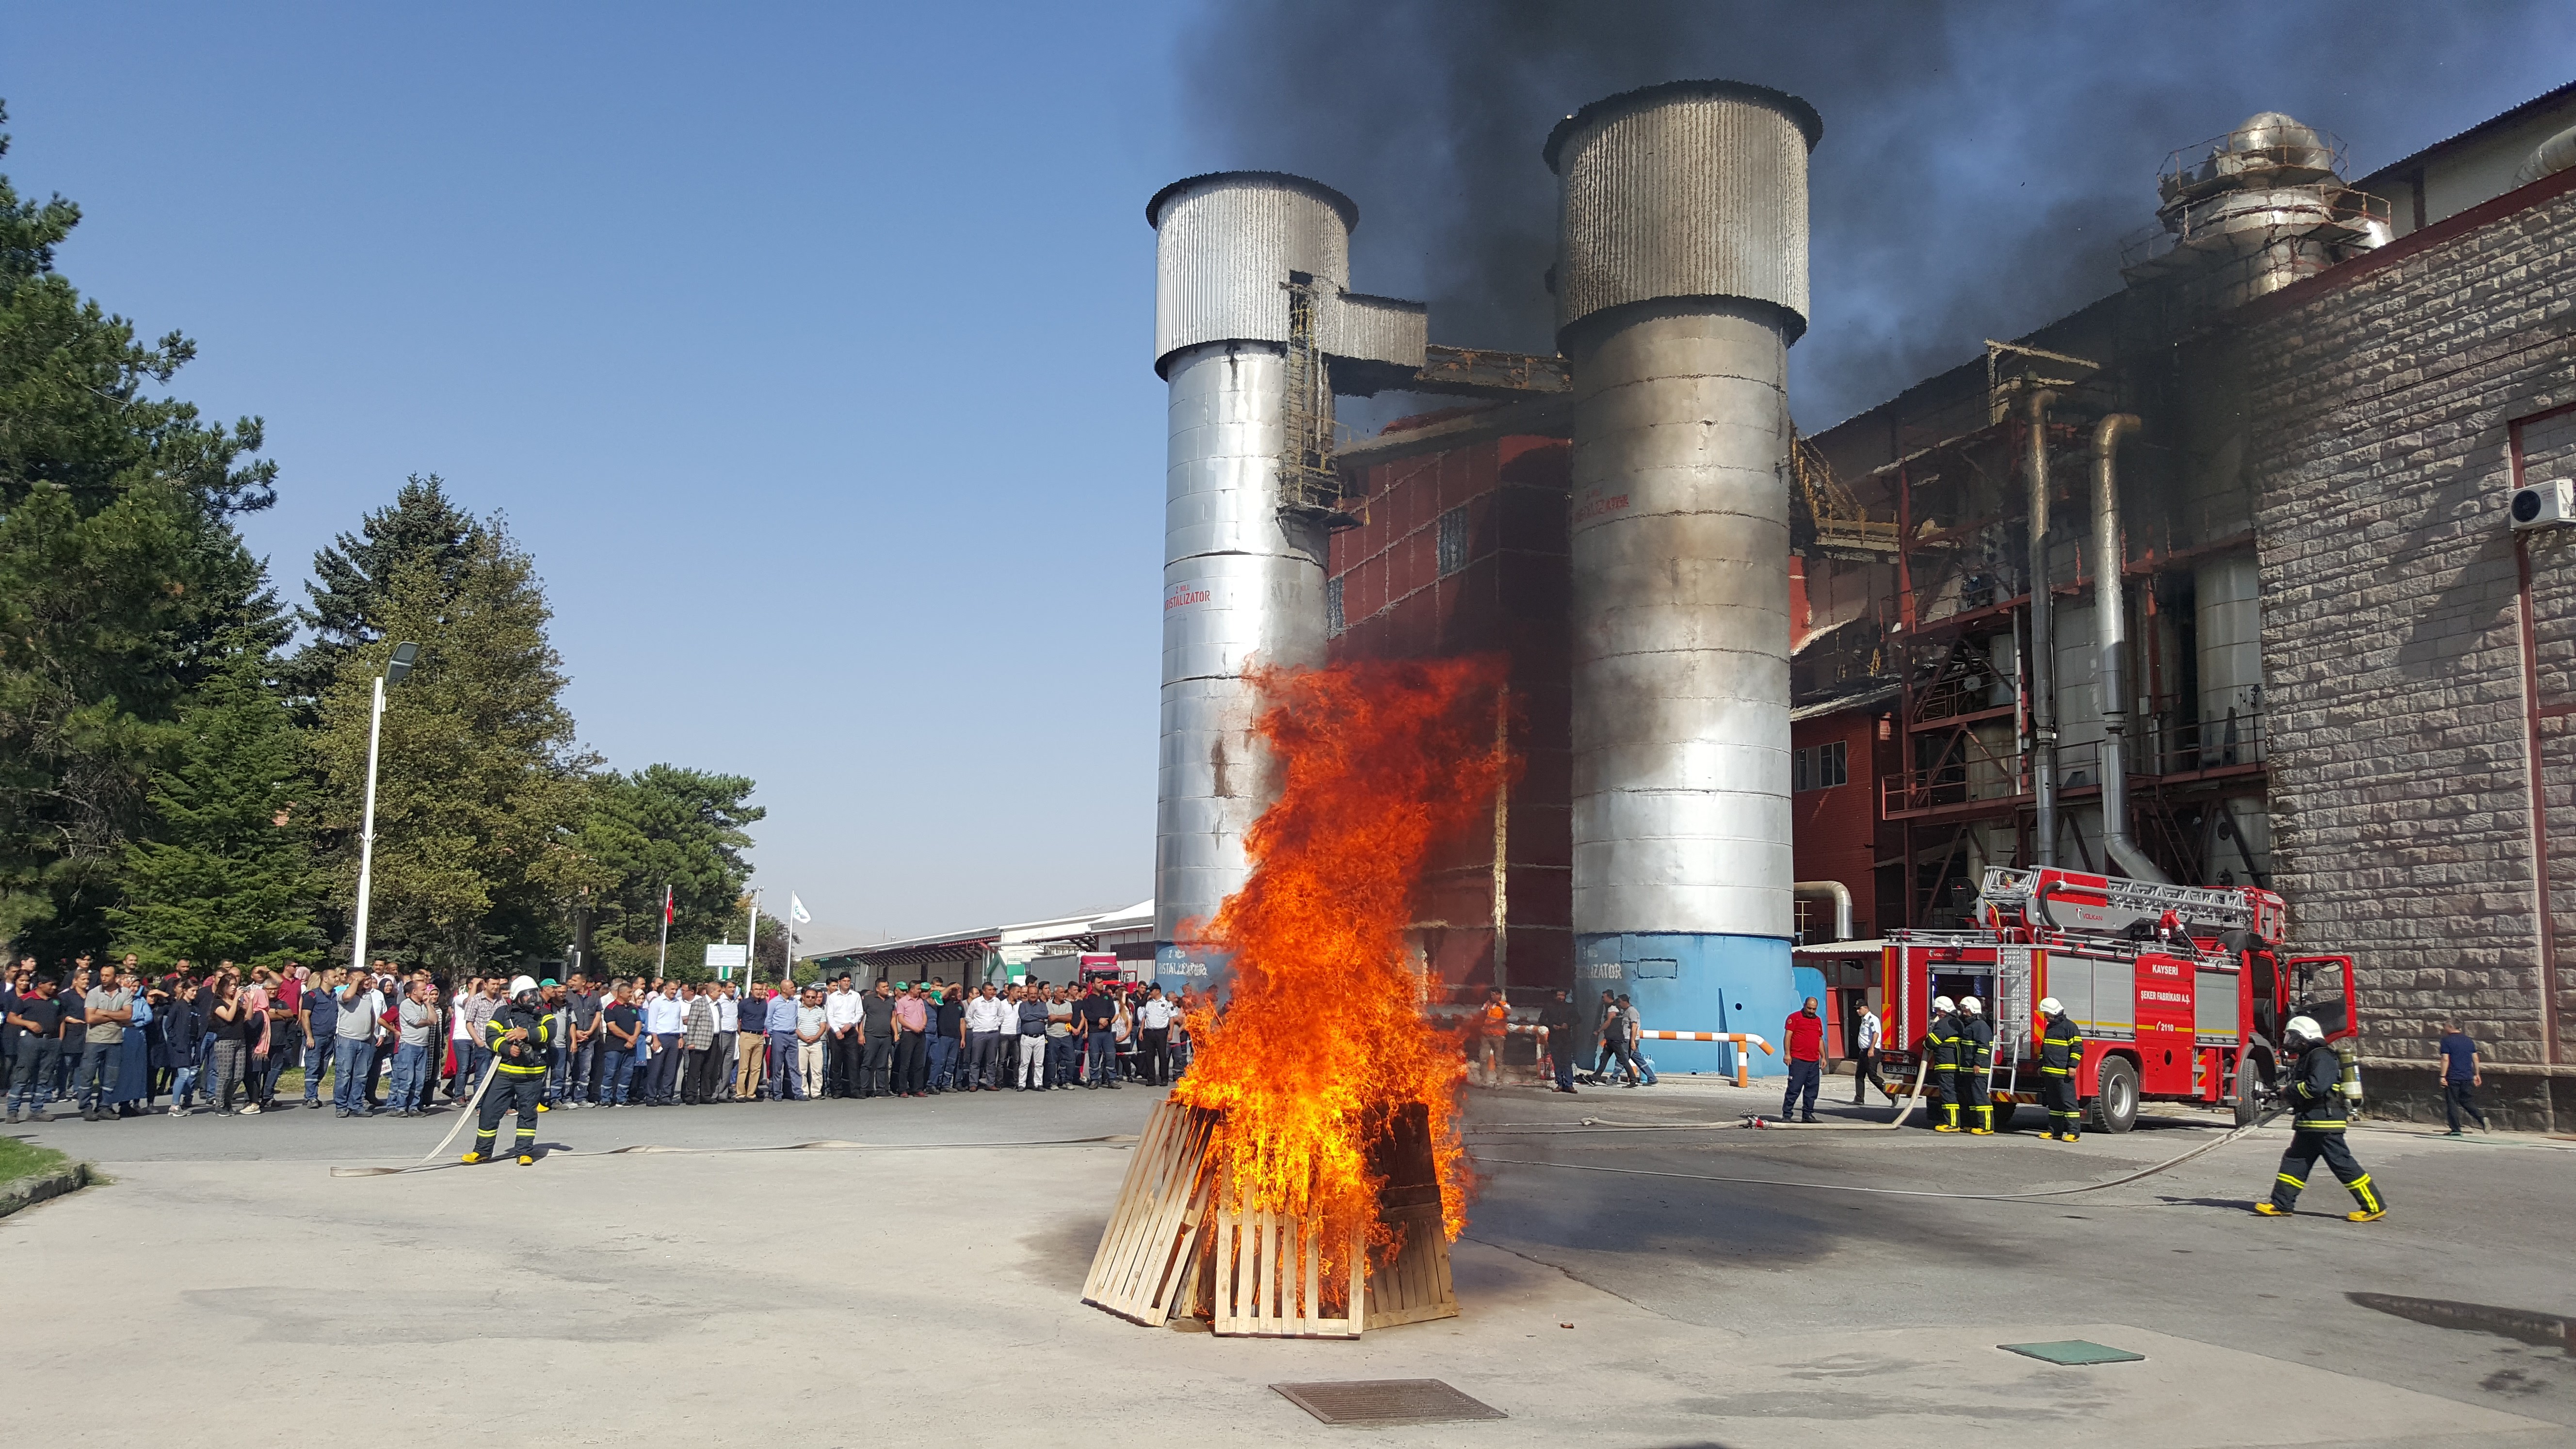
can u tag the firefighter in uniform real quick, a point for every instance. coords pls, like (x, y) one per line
(518, 1036)
(2315, 1094)
(1941, 1040)
(2061, 1066)
(1976, 1038)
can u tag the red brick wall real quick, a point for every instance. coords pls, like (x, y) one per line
(1834, 831)
(1509, 598)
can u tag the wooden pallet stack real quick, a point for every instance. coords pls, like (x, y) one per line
(1178, 1245)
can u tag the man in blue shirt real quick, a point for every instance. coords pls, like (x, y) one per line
(780, 1023)
(2461, 1077)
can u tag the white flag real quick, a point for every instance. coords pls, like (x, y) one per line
(796, 910)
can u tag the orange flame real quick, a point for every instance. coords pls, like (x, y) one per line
(1324, 1033)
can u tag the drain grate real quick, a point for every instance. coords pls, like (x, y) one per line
(1386, 1401)
(2074, 1352)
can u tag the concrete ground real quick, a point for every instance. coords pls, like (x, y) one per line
(925, 1285)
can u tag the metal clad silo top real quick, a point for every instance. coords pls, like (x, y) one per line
(1693, 189)
(1224, 245)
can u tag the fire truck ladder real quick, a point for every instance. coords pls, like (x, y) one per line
(2143, 900)
(2011, 1019)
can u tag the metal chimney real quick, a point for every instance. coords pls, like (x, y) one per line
(1250, 312)
(1681, 281)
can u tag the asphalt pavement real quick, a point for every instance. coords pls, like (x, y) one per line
(916, 1269)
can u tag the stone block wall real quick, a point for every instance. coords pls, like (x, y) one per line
(2378, 409)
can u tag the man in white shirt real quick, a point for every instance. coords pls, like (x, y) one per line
(809, 1042)
(1865, 1043)
(728, 1027)
(1154, 1032)
(984, 1014)
(664, 1020)
(841, 1022)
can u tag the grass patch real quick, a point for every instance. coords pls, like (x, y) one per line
(25, 1159)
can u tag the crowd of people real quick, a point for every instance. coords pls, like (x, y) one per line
(120, 1042)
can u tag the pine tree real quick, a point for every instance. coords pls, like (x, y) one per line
(422, 528)
(228, 872)
(123, 586)
(480, 781)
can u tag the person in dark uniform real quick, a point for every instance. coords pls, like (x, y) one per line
(1976, 1038)
(2061, 1066)
(1558, 1017)
(2315, 1094)
(1941, 1040)
(519, 1036)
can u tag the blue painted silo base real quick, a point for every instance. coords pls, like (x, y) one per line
(1693, 982)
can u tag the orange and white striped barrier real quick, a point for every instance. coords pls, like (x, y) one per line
(1741, 1039)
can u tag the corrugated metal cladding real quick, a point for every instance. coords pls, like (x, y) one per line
(1378, 329)
(1224, 246)
(1691, 190)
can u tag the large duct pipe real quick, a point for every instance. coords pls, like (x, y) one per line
(1681, 281)
(2110, 635)
(1834, 893)
(2040, 672)
(1243, 570)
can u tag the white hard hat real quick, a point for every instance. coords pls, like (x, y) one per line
(1969, 1005)
(2305, 1026)
(2050, 1006)
(522, 983)
(1943, 1003)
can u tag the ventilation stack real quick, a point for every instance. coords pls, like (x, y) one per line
(1681, 281)
(1250, 315)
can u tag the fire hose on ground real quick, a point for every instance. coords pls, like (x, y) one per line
(2145, 1172)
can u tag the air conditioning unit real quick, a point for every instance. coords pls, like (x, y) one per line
(2550, 504)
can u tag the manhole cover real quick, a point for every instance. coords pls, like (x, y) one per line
(1386, 1401)
(2073, 1351)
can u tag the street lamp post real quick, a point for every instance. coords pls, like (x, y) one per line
(395, 669)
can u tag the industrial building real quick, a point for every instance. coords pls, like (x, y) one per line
(1772, 687)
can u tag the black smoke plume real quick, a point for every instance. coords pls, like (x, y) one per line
(1980, 163)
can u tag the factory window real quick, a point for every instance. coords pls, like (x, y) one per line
(1453, 540)
(1332, 608)
(1818, 767)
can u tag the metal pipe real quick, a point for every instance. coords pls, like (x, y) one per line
(2041, 669)
(2110, 635)
(1832, 890)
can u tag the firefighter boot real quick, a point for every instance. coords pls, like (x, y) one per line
(2267, 1210)
(1949, 1118)
(2371, 1206)
(1985, 1120)
(471, 1158)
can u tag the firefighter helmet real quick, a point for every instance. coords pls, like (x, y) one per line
(1943, 1003)
(1970, 1005)
(2050, 1006)
(519, 984)
(2304, 1028)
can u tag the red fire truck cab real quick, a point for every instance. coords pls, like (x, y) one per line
(2181, 991)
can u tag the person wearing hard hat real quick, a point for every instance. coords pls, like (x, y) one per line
(2061, 1066)
(519, 1035)
(2316, 1095)
(1941, 1042)
(1976, 1038)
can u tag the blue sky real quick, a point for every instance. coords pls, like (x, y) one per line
(807, 352)
(806, 347)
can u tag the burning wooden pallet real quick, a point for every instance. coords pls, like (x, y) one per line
(1178, 1245)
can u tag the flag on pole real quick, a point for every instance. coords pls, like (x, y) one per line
(668, 914)
(796, 910)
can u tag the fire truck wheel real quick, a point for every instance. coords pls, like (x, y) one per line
(2249, 1077)
(2115, 1103)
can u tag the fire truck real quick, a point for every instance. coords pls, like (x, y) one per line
(2181, 991)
